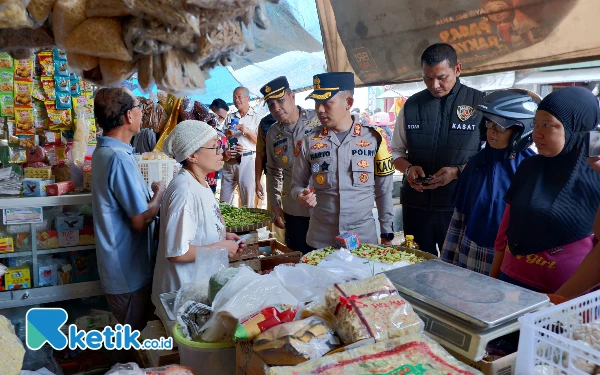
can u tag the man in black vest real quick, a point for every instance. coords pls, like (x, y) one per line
(436, 134)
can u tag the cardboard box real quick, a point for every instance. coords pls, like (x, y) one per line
(269, 262)
(503, 366)
(69, 221)
(247, 362)
(6, 245)
(18, 278)
(35, 187)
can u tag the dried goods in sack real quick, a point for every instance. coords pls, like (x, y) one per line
(108, 8)
(144, 68)
(150, 37)
(15, 39)
(13, 14)
(172, 12)
(114, 72)
(224, 38)
(412, 354)
(370, 308)
(100, 36)
(40, 10)
(66, 16)
(222, 4)
(176, 72)
(81, 62)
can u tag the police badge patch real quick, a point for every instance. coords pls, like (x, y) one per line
(464, 112)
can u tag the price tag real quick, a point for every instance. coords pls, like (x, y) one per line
(23, 215)
(68, 238)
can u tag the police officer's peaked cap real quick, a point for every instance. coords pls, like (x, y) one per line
(275, 89)
(326, 85)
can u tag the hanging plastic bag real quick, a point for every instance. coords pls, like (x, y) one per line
(81, 136)
(208, 262)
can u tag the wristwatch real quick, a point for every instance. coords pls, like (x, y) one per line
(387, 236)
(460, 169)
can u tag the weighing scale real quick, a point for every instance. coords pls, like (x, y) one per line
(463, 310)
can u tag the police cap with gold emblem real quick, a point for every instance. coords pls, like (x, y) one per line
(326, 85)
(275, 89)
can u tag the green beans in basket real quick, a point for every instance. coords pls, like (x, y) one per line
(237, 217)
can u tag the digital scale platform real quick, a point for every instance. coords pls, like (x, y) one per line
(463, 310)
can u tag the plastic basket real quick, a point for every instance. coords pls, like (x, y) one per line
(547, 344)
(157, 170)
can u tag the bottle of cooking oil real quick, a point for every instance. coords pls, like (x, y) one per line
(409, 243)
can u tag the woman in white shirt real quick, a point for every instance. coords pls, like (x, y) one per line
(189, 215)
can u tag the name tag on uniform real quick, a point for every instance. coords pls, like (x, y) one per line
(467, 127)
(413, 127)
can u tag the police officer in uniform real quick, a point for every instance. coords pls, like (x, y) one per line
(436, 134)
(349, 165)
(293, 123)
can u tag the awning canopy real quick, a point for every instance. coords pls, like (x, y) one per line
(382, 41)
(557, 76)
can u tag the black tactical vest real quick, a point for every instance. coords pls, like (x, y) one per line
(440, 133)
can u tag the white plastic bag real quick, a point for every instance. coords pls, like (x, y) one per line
(208, 262)
(246, 293)
(305, 282)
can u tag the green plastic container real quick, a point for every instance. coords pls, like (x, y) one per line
(205, 358)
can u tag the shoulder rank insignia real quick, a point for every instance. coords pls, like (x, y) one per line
(325, 131)
(357, 130)
(317, 138)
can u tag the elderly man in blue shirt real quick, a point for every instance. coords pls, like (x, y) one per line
(124, 211)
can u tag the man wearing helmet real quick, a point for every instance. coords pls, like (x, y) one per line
(434, 137)
(506, 125)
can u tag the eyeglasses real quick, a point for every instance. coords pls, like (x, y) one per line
(131, 109)
(220, 148)
(492, 125)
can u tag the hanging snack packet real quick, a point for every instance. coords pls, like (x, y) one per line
(63, 100)
(23, 91)
(40, 115)
(75, 85)
(24, 70)
(59, 54)
(49, 89)
(5, 61)
(61, 68)
(7, 102)
(12, 137)
(27, 141)
(46, 64)
(38, 90)
(86, 87)
(62, 84)
(24, 121)
(59, 119)
(17, 155)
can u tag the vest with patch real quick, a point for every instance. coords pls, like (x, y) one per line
(440, 133)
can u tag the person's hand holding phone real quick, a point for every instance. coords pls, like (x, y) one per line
(415, 172)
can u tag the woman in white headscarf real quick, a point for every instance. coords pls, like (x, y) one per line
(189, 216)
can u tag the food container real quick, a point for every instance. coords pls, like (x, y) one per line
(60, 188)
(205, 358)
